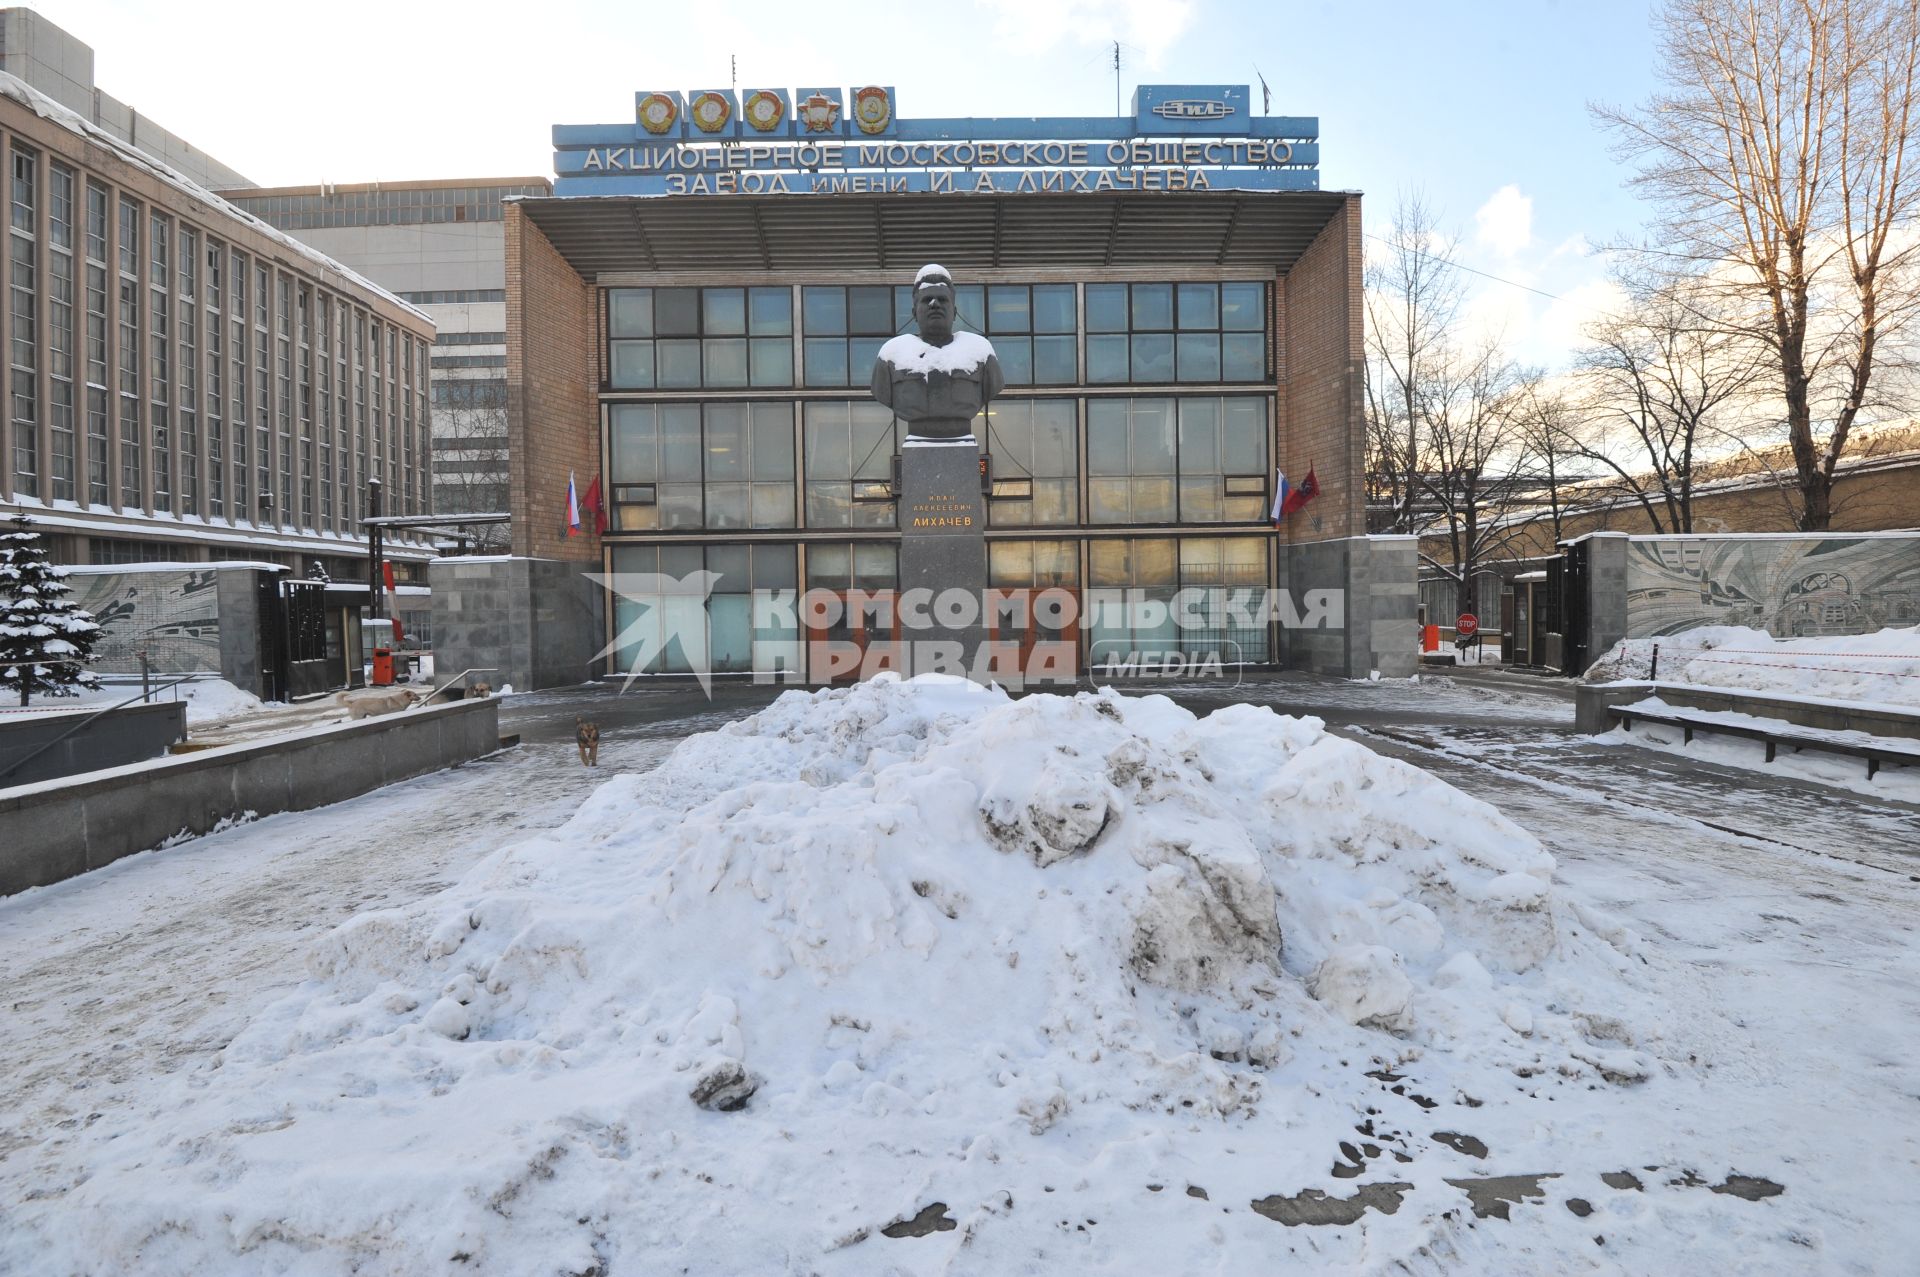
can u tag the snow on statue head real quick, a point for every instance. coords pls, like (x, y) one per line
(935, 379)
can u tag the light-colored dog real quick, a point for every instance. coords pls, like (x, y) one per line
(479, 691)
(375, 701)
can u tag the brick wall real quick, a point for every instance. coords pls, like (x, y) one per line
(1321, 387)
(552, 382)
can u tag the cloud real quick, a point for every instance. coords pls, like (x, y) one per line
(1505, 222)
(1145, 28)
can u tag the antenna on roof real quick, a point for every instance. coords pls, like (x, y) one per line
(1116, 78)
(733, 71)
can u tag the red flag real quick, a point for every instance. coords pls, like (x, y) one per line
(386, 567)
(1309, 489)
(594, 505)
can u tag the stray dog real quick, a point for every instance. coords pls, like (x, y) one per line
(373, 702)
(587, 736)
(479, 691)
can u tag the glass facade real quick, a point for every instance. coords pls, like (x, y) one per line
(158, 365)
(1130, 458)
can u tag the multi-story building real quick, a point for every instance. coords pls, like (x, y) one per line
(183, 382)
(693, 317)
(439, 246)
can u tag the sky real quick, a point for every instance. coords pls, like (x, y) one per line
(1480, 106)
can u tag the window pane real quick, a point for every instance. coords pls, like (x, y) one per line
(635, 443)
(826, 361)
(771, 312)
(873, 566)
(862, 353)
(773, 567)
(1106, 308)
(631, 312)
(1053, 361)
(870, 311)
(1106, 437)
(1106, 358)
(1243, 357)
(970, 304)
(1053, 437)
(726, 505)
(1243, 448)
(771, 361)
(680, 442)
(676, 312)
(1243, 307)
(1199, 305)
(679, 364)
(1199, 436)
(1199, 357)
(1152, 357)
(1152, 421)
(726, 311)
(1007, 310)
(1153, 306)
(679, 505)
(633, 365)
(1053, 308)
(772, 441)
(726, 442)
(829, 566)
(727, 362)
(732, 563)
(1016, 359)
(825, 312)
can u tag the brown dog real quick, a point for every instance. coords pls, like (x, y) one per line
(479, 691)
(587, 735)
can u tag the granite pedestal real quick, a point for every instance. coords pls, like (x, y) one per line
(943, 548)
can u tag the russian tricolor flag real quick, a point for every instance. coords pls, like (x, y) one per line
(1287, 499)
(573, 507)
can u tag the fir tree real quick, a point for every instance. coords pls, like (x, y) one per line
(38, 622)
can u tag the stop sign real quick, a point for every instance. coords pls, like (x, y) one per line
(1467, 625)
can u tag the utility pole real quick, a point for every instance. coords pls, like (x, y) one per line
(374, 549)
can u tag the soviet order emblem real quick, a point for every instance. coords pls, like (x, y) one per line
(818, 113)
(710, 111)
(763, 110)
(871, 110)
(657, 113)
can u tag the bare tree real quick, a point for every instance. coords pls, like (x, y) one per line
(1549, 430)
(1413, 298)
(470, 458)
(1481, 470)
(1662, 384)
(1777, 155)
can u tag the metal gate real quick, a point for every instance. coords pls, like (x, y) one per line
(1573, 592)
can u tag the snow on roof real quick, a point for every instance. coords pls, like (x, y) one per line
(95, 569)
(46, 108)
(932, 271)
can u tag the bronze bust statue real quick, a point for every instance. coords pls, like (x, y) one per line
(937, 380)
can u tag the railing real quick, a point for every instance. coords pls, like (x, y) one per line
(146, 693)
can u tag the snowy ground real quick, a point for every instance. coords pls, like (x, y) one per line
(1881, 668)
(1770, 990)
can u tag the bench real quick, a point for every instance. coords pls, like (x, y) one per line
(1773, 737)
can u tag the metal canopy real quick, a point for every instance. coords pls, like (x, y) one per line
(899, 231)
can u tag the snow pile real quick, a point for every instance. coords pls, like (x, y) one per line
(1882, 667)
(872, 951)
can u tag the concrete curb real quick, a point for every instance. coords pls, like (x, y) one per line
(58, 829)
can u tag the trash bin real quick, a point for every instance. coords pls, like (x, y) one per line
(383, 667)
